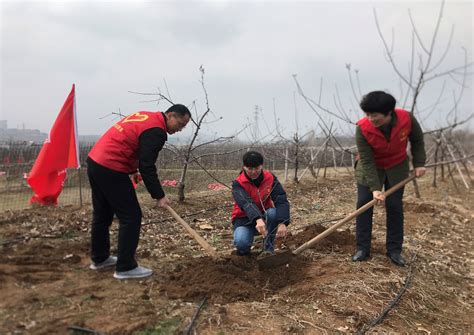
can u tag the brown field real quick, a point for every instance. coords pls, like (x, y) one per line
(46, 286)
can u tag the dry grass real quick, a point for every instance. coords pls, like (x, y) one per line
(337, 295)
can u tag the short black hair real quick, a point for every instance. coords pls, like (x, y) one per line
(182, 110)
(378, 102)
(252, 159)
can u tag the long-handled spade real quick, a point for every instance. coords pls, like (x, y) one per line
(286, 257)
(202, 242)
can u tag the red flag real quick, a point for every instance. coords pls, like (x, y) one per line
(59, 152)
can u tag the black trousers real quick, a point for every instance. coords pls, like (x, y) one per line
(113, 193)
(394, 210)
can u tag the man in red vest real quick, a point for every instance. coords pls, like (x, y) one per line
(261, 206)
(130, 146)
(382, 137)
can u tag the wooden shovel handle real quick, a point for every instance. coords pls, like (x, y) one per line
(202, 242)
(351, 216)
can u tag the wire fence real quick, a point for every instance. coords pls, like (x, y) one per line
(213, 165)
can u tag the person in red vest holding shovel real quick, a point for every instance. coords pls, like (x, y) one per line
(382, 137)
(260, 207)
(130, 146)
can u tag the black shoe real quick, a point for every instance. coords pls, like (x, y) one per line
(239, 253)
(360, 256)
(396, 258)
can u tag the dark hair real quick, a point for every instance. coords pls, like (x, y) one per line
(252, 159)
(182, 110)
(378, 102)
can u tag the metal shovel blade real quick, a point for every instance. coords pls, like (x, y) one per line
(275, 260)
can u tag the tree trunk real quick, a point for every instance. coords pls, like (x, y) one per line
(325, 159)
(295, 178)
(436, 161)
(181, 184)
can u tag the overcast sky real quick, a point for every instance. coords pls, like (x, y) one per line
(249, 51)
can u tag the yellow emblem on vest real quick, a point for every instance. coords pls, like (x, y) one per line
(136, 117)
(403, 134)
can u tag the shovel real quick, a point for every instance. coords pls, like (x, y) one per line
(202, 242)
(286, 256)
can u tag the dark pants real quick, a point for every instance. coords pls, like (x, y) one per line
(394, 210)
(113, 193)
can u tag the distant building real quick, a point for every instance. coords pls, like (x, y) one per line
(15, 135)
(33, 136)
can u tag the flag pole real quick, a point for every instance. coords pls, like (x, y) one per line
(80, 187)
(78, 152)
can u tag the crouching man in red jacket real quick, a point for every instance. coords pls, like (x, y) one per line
(261, 206)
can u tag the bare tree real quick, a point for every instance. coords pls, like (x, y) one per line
(187, 154)
(426, 66)
(296, 142)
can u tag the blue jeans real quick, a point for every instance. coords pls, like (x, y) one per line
(243, 235)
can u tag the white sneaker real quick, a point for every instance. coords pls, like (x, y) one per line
(111, 261)
(138, 272)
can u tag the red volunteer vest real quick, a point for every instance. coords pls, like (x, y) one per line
(117, 149)
(387, 154)
(259, 194)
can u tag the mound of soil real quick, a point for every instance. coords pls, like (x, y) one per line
(230, 279)
(338, 241)
(238, 278)
(421, 207)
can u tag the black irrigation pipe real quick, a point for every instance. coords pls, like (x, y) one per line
(193, 320)
(392, 303)
(26, 237)
(84, 330)
(13, 240)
